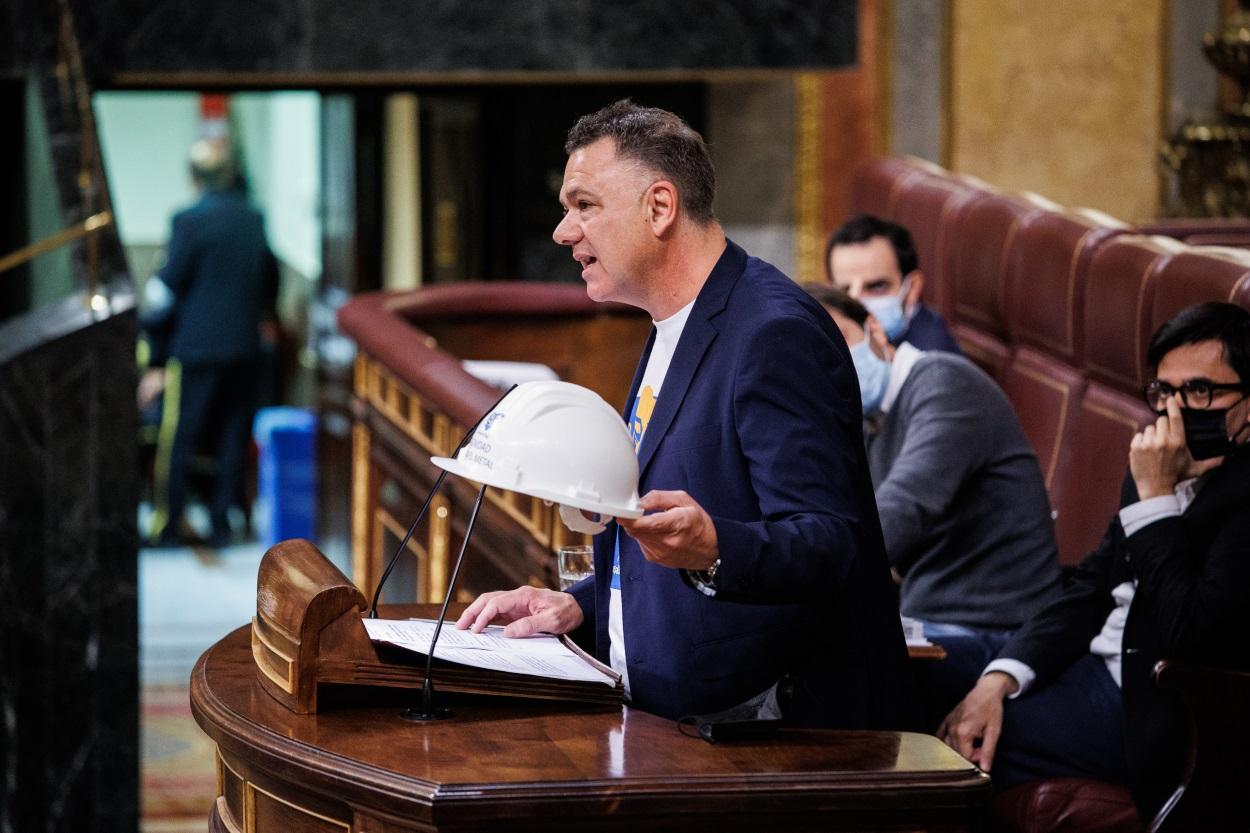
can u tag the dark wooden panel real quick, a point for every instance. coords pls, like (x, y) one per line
(234, 790)
(277, 815)
(597, 352)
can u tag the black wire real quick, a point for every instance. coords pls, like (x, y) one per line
(390, 565)
(689, 720)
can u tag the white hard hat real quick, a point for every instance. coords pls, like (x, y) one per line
(559, 442)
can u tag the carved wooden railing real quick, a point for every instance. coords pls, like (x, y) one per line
(412, 399)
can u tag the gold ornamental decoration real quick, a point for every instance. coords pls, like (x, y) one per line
(1209, 158)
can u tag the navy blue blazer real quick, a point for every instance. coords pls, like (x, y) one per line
(759, 419)
(1193, 588)
(927, 331)
(224, 279)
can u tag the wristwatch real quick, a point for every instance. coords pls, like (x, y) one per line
(709, 575)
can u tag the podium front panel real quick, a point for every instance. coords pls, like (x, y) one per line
(530, 765)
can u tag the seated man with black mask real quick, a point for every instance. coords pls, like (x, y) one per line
(1070, 695)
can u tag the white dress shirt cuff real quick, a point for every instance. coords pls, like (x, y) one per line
(1023, 675)
(1145, 512)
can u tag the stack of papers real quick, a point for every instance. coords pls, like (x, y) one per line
(538, 656)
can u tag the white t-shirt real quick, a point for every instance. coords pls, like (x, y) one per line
(667, 334)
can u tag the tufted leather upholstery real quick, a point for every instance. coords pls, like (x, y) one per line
(930, 205)
(981, 238)
(1046, 279)
(1120, 291)
(876, 187)
(1202, 231)
(1201, 273)
(1066, 804)
(1059, 306)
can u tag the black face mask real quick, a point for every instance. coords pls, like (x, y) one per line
(1206, 433)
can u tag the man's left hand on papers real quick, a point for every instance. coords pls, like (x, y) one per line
(528, 610)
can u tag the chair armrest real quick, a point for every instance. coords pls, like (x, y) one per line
(1201, 683)
(1213, 785)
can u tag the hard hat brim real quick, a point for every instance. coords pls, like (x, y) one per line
(476, 474)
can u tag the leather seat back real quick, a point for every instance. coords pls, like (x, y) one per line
(981, 238)
(876, 186)
(1201, 273)
(928, 207)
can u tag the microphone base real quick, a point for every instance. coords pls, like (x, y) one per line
(421, 715)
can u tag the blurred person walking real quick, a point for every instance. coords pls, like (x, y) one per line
(210, 309)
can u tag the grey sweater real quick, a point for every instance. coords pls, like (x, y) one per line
(963, 505)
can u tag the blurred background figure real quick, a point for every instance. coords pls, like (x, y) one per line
(210, 318)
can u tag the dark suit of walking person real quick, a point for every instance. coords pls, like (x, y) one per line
(221, 279)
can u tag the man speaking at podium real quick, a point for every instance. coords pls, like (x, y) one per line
(757, 581)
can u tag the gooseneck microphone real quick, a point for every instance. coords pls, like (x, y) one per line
(390, 565)
(427, 710)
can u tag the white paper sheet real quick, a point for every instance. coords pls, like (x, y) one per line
(542, 656)
(913, 633)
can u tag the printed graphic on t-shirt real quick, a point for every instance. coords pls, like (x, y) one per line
(640, 416)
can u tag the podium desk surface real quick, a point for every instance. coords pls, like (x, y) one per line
(521, 765)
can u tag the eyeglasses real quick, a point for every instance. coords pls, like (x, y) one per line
(1195, 393)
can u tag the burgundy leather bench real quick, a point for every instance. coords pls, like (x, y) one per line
(1059, 305)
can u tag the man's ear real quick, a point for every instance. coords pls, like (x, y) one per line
(661, 203)
(915, 286)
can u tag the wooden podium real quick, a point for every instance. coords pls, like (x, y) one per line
(341, 759)
(308, 632)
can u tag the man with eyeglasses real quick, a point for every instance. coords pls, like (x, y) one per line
(1070, 695)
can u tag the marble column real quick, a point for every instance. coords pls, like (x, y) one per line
(69, 751)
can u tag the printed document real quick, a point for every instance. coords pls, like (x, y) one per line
(540, 656)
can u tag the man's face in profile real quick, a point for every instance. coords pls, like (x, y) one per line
(605, 221)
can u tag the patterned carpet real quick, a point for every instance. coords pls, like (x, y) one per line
(189, 597)
(178, 771)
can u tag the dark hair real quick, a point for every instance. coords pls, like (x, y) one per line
(1214, 320)
(661, 141)
(835, 299)
(864, 227)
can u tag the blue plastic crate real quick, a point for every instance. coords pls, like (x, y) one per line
(286, 439)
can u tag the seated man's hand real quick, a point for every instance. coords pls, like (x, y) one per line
(972, 727)
(528, 610)
(678, 533)
(1159, 458)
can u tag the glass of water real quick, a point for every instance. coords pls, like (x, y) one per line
(575, 563)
